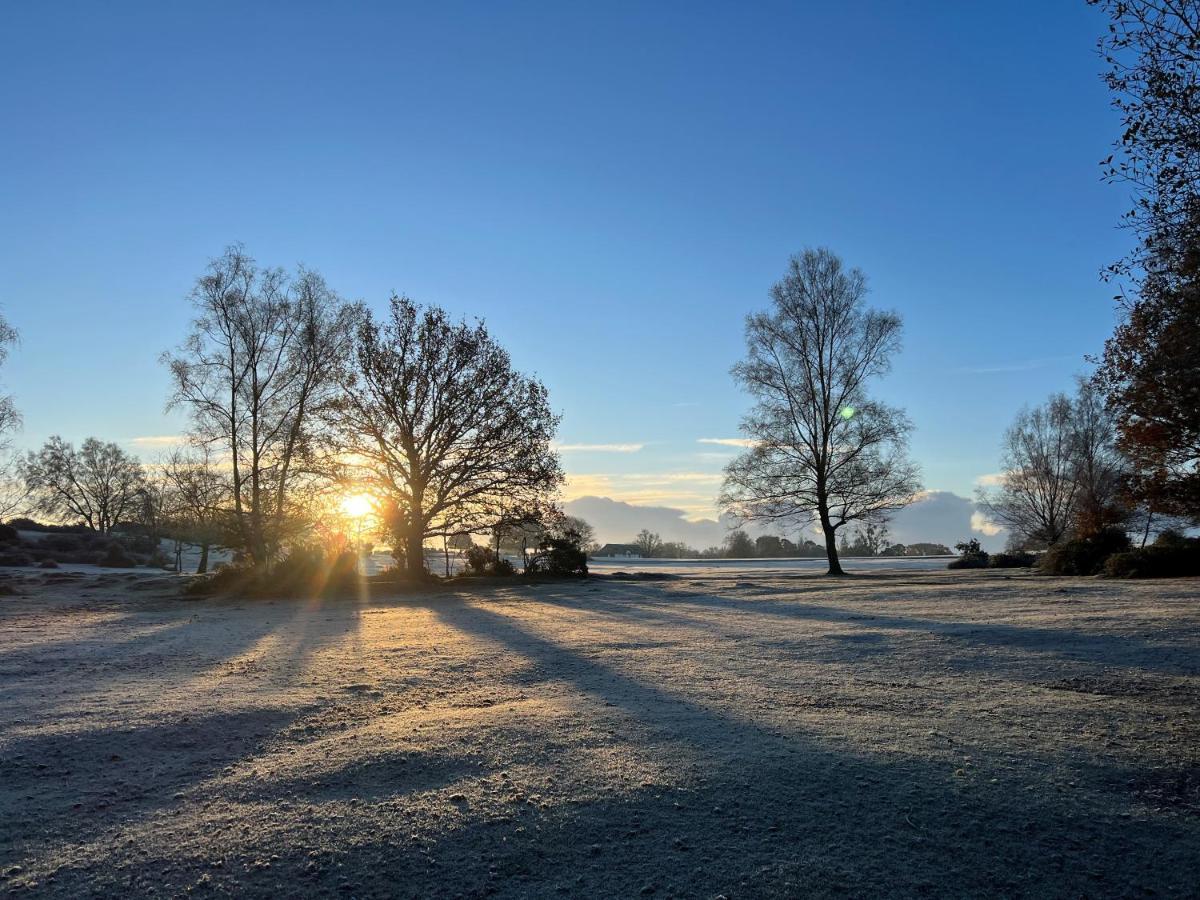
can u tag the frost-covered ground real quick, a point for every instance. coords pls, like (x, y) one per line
(896, 734)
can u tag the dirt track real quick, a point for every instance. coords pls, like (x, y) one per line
(942, 734)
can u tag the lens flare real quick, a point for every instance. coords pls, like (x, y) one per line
(848, 413)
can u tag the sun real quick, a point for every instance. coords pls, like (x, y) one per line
(357, 506)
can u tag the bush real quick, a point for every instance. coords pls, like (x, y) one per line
(979, 561)
(1017, 560)
(558, 557)
(485, 561)
(64, 543)
(305, 572)
(972, 556)
(8, 535)
(15, 558)
(1084, 556)
(117, 557)
(47, 564)
(24, 524)
(1171, 556)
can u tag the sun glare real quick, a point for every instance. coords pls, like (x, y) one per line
(357, 506)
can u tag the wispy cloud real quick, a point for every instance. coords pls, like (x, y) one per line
(728, 442)
(1022, 365)
(599, 448)
(992, 479)
(159, 440)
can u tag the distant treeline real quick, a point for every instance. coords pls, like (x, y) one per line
(870, 540)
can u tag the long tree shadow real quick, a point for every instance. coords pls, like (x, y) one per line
(76, 784)
(1101, 650)
(760, 812)
(731, 805)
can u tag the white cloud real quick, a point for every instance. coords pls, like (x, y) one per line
(682, 510)
(159, 440)
(599, 448)
(618, 521)
(729, 442)
(981, 523)
(693, 494)
(992, 479)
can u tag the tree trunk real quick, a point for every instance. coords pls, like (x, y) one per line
(203, 566)
(831, 551)
(414, 553)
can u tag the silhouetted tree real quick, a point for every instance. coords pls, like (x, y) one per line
(255, 373)
(435, 418)
(676, 550)
(1151, 364)
(869, 539)
(823, 449)
(1037, 492)
(648, 543)
(768, 545)
(584, 533)
(196, 500)
(9, 417)
(1153, 50)
(739, 546)
(1062, 472)
(99, 483)
(1101, 472)
(13, 493)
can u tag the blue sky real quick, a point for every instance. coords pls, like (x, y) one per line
(611, 186)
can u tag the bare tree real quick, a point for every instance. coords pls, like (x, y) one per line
(1101, 471)
(1037, 495)
(435, 419)
(99, 483)
(197, 499)
(648, 543)
(13, 493)
(824, 451)
(1062, 472)
(10, 419)
(255, 373)
(582, 530)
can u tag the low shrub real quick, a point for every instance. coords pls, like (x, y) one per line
(15, 558)
(485, 561)
(1017, 560)
(8, 535)
(117, 557)
(305, 572)
(65, 543)
(978, 561)
(1084, 556)
(558, 557)
(22, 523)
(1171, 556)
(972, 556)
(47, 564)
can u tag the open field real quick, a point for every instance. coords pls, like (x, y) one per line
(895, 734)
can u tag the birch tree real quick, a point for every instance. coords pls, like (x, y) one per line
(254, 375)
(823, 450)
